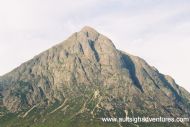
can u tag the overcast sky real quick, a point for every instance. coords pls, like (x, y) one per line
(156, 30)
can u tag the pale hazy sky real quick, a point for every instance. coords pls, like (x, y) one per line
(156, 30)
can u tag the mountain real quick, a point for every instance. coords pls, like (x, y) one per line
(83, 79)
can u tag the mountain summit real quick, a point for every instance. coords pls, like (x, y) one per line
(83, 79)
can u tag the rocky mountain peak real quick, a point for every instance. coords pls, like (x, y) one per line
(88, 29)
(89, 44)
(87, 77)
(87, 36)
(91, 34)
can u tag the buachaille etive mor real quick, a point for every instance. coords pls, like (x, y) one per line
(83, 79)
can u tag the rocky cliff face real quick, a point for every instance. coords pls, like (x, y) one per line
(87, 76)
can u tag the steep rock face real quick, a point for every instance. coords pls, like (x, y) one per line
(75, 60)
(89, 66)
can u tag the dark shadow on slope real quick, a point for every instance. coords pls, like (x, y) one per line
(180, 102)
(131, 67)
(169, 86)
(91, 43)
